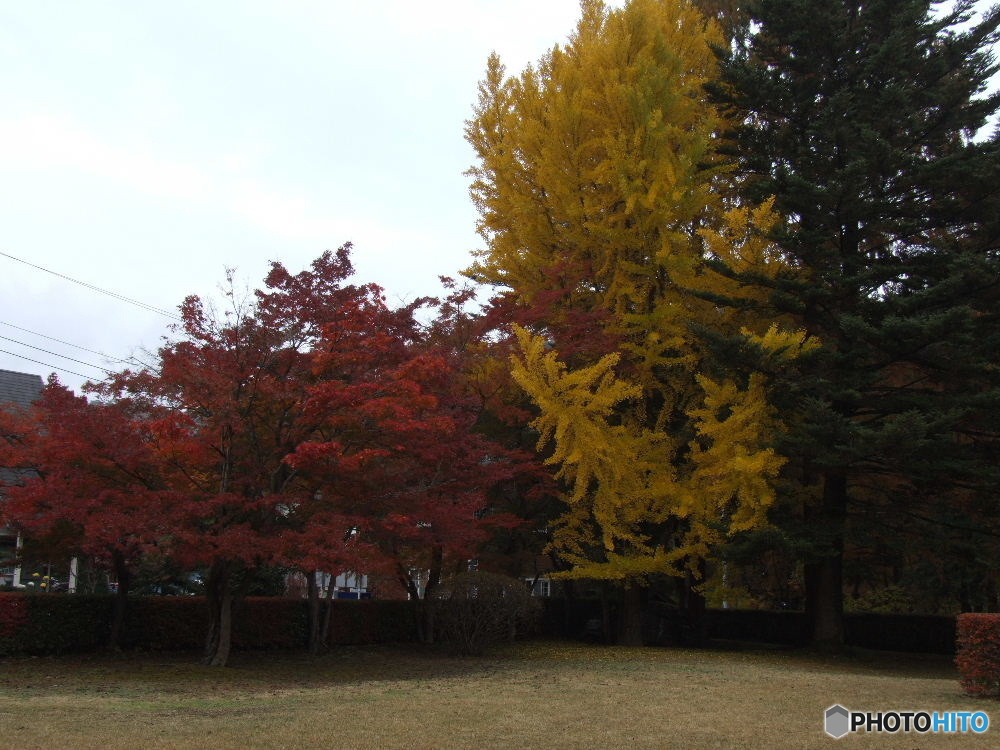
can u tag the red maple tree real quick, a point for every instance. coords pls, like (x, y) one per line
(93, 478)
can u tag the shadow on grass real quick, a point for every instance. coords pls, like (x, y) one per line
(180, 673)
(851, 659)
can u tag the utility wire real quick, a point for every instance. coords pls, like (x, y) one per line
(46, 364)
(121, 297)
(68, 343)
(57, 354)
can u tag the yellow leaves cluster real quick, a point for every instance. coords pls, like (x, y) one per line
(604, 158)
(600, 152)
(624, 475)
(617, 470)
(779, 342)
(731, 463)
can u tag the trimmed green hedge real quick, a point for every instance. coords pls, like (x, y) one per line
(53, 623)
(920, 634)
(58, 623)
(372, 621)
(928, 634)
(165, 623)
(40, 623)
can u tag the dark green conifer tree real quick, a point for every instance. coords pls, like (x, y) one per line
(860, 117)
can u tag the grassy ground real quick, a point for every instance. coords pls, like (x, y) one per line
(535, 695)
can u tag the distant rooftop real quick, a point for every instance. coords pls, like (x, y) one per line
(20, 388)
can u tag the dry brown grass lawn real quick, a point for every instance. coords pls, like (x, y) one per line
(535, 695)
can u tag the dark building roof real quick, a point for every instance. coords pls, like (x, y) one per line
(19, 388)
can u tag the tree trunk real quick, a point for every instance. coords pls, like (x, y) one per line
(404, 577)
(221, 657)
(314, 625)
(631, 633)
(121, 601)
(218, 643)
(694, 609)
(569, 611)
(824, 576)
(428, 604)
(606, 629)
(434, 574)
(324, 636)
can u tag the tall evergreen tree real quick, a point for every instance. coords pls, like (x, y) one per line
(859, 117)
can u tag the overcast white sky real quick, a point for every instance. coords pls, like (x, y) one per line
(145, 147)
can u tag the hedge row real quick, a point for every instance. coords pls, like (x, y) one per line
(53, 623)
(932, 634)
(59, 623)
(922, 634)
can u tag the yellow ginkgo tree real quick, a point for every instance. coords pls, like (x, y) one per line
(602, 199)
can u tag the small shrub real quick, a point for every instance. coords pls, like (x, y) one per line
(978, 657)
(477, 609)
(885, 600)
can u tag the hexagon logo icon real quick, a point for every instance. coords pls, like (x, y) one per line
(837, 721)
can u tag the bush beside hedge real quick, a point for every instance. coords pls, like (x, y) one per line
(477, 609)
(978, 658)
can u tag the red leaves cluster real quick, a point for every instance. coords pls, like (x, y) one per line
(94, 475)
(978, 658)
(308, 426)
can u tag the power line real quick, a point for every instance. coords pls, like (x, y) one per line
(57, 354)
(46, 364)
(121, 297)
(69, 343)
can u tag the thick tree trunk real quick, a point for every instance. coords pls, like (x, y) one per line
(123, 575)
(221, 657)
(218, 643)
(824, 576)
(631, 632)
